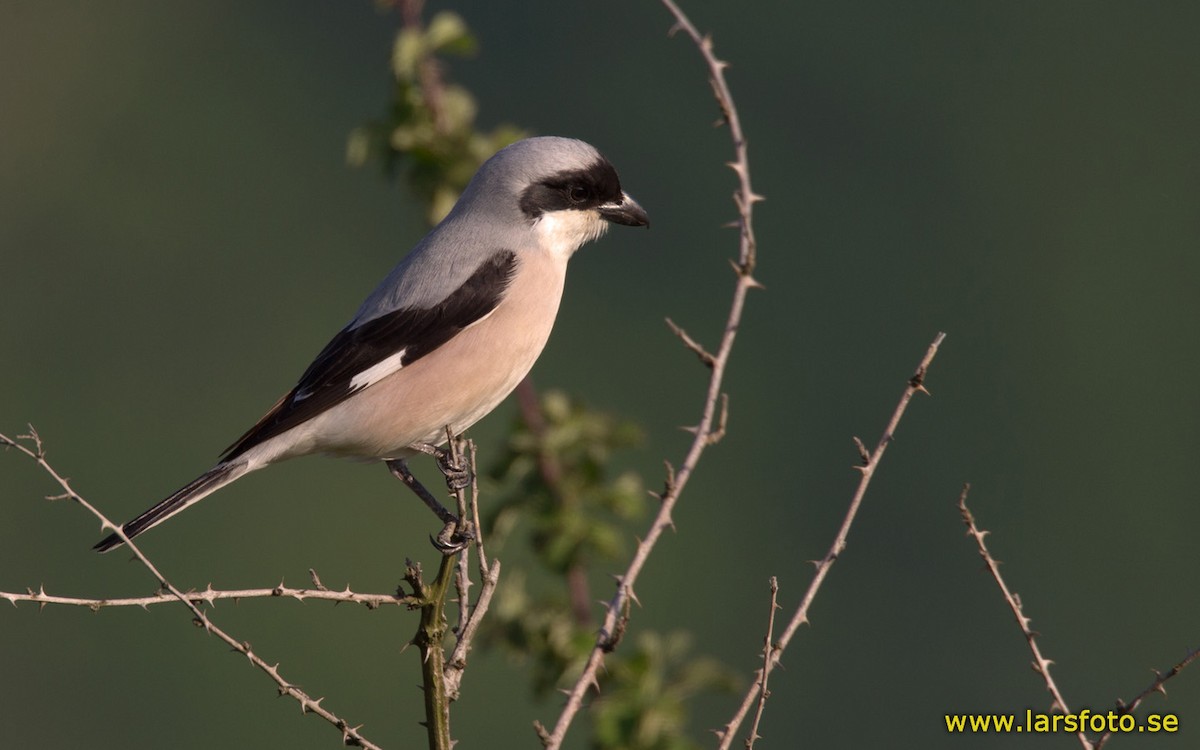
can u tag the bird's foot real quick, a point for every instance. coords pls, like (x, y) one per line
(458, 477)
(454, 537)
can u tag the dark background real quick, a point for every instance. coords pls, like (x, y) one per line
(179, 234)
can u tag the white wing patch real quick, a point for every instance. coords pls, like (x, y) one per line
(378, 371)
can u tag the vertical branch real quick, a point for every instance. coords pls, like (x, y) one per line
(768, 654)
(489, 576)
(432, 630)
(462, 576)
(744, 198)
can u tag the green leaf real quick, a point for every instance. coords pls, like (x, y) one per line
(448, 33)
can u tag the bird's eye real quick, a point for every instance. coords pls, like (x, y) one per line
(578, 193)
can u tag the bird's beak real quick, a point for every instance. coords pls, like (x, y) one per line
(625, 211)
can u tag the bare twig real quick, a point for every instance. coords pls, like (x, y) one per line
(768, 654)
(1040, 663)
(744, 198)
(209, 596)
(350, 735)
(705, 357)
(916, 384)
(1158, 686)
(462, 576)
(489, 576)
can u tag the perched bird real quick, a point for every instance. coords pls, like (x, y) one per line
(450, 332)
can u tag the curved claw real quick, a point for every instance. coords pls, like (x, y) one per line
(451, 539)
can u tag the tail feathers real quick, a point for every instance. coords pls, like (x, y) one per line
(195, 491)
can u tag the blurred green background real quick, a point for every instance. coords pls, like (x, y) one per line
(179, 234)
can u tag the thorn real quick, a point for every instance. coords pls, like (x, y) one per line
(316, 580)
(863, 453)
(918, 378)
(670, 481)
(714, 435)
(705, 357)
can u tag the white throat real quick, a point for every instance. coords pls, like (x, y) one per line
(564, 232)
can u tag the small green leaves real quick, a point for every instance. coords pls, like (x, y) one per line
(558, 477)
(428, 136)
(448, 34)
(644, 694)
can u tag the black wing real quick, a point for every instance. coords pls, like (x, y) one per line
(416, 332)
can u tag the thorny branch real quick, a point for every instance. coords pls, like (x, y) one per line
(350, 735)
(489, 575)
(1041, 665)
(744, 198)
(870, 462)
(765, 672)
(1158, 686)
(209, 596)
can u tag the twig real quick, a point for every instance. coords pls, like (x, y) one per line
(428, 639)
(705, 357)
(1040, 663)
(350, 735)
(744, 199)
(489, 577)
(916, 384)
(1158, 686)
(209, 596)
(462, 576)
(768, 654)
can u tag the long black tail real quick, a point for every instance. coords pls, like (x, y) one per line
(195, 491)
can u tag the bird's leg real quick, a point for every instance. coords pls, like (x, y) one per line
(458, 477)
(451, 539)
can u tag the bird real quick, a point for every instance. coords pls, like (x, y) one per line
(448, 333)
